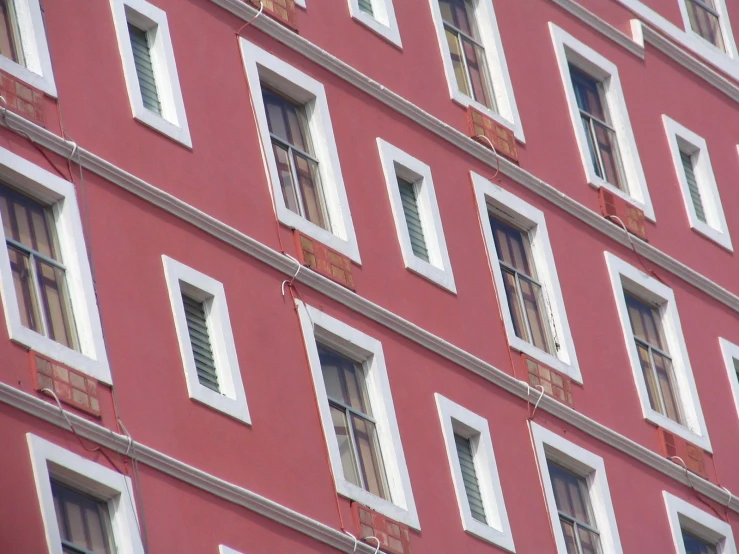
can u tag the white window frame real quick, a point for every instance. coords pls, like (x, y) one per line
(383, 22)
(623, 277)
(528, 217)
(500, 78)
(457, 419)
(223, 549)
(396, 163)
(319, 326)
(726, 32)
(37, 70)
(550, 446)
(570, 50)
(683, 515)
(715, 227)
(232, 399)
(729, 353)
(146, 16)
(49, 189)
(50, 460)
(260, 66)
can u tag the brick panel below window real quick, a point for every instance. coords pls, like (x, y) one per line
(393, 536)
(553, 383)
(617, 209)
(678, 449)
(482, 127)
(22, 99)
(323, 260)
(71, 386)
(281, 10)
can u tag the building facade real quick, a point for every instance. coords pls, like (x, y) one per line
(429, 276)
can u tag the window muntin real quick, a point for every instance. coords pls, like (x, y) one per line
(354, 425)
(694, 545)
(466, 458)
(409, 199)
(84, 521)
(467, 51)
(599, 132)
(141, 48)
(575, 511)
(39, 274)
(523, 290)
(705, 21)
(296, 164)
(10, 36)
(654, 358)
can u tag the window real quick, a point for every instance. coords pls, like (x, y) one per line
(378, 16)
(206, 340)
(657, 352)
(697, 183)
(300, 153)
(474, 61)
(695, 531)
(730, 353)
(474, 473)
(601, 121)
(705, 21)
(416, 214)
(86, 507)
(525, 277)
(576, 491)
(149, 68)
(45, 280)
(226, 550)
(24, 52)
(358, 416)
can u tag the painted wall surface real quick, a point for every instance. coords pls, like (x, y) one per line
(282, 455)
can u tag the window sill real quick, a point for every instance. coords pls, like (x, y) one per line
(572, 371)
(430, 272)
(596, 182)
(390, 34)
(290, 219)
(22, 73)
(180, 134)
(465, 101)
(721, 238)
(380, 505)
(675, 428)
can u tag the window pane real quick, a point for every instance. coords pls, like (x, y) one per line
(568, 530)
(53, 287)
(513, 247)
(20, 267)
(310, 188)
(609, 155)
(649, 378)
(645, 322)
(459, 14)
(704, 21)
(536, 314)
(10, 43)
(286, 120)
(478, 72)
(346, 450)
(587, 93)
(589, 541)
(514, 305)
(694, 545)
(282, 160)
(455, 50)
(83, 521)
(345, 380)
(587, 124)
(370, 458)
(666, 379)
(570, 494)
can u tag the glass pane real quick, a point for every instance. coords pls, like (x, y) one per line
(282, 160)
(568, 530)
(570, 493)
(514, 305)
(10, 46)
(370, 458)
(346, 450)
(82, 520)
(455, 50)
(650, 378)
(704, 21)
(20, 267)
(645, 322)
(344, 380)
(587, 93)
(53, 287)
(459, 14)
(611, 162)
(513, 247)
(694, 545)
(478, 72)
(286, 120)
(589, 541)
(587, 127)
(536, 314)
(666, 380)
(310, 189)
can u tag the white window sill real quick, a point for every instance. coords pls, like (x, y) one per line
(390, 34)
(158, 123)
(545, 358)
(22, 73)
(680, 430)
(380, 505)
(596, 182)
(437, 276)
(720, 238)
(465, 101)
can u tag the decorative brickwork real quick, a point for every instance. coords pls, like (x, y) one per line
(394, 537)
(281, 10)
(631, 216)
(71, 387)
(22, 99)
(555, 384)
(323, 260)
(502, 138)
(673, 447)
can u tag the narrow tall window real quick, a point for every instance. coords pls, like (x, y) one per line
(141, 47)
(575, 511)
(654, 358)
(366, 6)
(297, 166)
(10, 37)
(39, 274)
(694, 545)
(705, 21)
(599, 132)
(695, 193)
(467, 52)
(353, 422)
(409, 198)
(84, 521)
(469, 476)
(522, 287)
(202, 349)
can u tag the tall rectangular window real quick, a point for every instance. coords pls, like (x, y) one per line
(10, 36)
(695, 531)
(141, 47)
(705, 21)
(688, 164)
(202, 349)
(469, 477)
(84, 521)
(655, 360)
(409, 199)
(599, 132)
(467, 51)
(575, 512)
(523, 290)
(39, 274)
(354, 425)
(296, 164)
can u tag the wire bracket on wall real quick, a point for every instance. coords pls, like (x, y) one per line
(289, 282)
(528, 398)
(495, 152)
